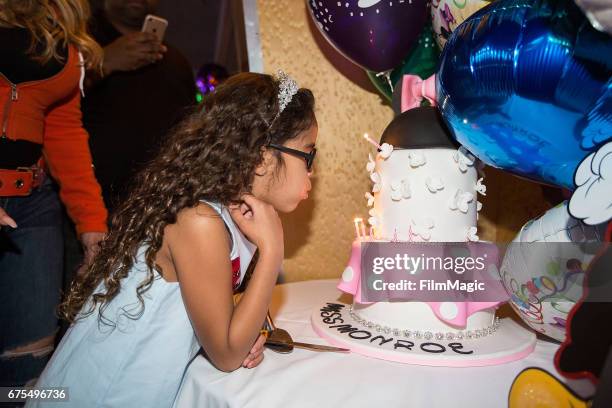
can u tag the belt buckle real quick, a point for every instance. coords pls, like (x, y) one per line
(20, 183)
(38, 174)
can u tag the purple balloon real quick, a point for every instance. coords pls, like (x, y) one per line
(374, 34)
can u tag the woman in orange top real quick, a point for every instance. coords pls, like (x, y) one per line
(43, 45)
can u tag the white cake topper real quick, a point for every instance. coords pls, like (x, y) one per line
(375, 177)
(422, 228)
(373, 220)
(416, 159)
(464, 159)
(400, 189)
(461, 200)
(434, 184)
(472, 234)
(396, 193)
(385, 150)
(480, 187)
(371, 164)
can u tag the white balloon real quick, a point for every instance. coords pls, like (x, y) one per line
(541, 279)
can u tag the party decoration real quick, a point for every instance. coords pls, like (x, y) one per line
(589, 336)
(515, 94)
(414, 90)
(374, 34)
(535, 387)
(209, 77)
(545, 280)
(422, 60)
(446, 15)
(592, 199)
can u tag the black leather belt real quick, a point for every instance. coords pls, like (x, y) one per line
(16, 154)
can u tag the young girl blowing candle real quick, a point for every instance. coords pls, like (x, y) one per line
(162, 283)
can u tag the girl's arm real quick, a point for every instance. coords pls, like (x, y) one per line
(200, 249)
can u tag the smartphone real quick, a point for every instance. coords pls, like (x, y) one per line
(155, 25)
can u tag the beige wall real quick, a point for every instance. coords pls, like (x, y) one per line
(318, 235)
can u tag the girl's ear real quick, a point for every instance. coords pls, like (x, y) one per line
(268, 163)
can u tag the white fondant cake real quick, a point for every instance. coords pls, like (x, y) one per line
(425, 189)
(423, 195)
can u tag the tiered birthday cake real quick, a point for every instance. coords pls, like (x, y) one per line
(425, 189)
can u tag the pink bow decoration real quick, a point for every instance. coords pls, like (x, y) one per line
(414, 89)
(464, 310)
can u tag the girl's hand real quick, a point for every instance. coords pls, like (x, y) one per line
(6, 220)
(260, 222)
(256, 354)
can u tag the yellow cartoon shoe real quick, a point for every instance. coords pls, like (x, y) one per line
(537, 388)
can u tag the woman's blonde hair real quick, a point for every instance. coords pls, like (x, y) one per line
(53, 22)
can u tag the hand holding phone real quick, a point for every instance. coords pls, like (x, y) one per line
(138, 49)
(155, 25)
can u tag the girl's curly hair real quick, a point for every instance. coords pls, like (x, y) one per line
(211, 155)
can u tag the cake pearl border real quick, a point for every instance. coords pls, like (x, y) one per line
(427, 335)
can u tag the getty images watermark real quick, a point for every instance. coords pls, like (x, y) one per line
(479, 272)
(431, 272)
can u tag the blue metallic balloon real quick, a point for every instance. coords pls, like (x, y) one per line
(526, 85)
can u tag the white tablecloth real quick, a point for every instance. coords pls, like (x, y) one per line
(310, 379)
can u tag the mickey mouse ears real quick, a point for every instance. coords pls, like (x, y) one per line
(419, 128)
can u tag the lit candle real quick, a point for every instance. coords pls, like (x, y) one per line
(357, 221)
(363, 229)
(369, 139)
(372, 233)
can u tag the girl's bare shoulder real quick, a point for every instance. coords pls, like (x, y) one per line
(196, 223)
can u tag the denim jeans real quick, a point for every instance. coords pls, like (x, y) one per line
(31, 259)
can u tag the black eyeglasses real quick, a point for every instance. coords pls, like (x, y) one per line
(309, 157)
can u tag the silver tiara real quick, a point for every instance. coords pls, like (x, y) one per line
(287, 88)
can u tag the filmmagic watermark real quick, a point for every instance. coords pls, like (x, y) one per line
(525, 273)
(431, 272)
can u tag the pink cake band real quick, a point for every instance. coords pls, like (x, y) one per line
(351, 284)
(465, 310)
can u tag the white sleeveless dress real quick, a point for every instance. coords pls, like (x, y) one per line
(141, 362)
